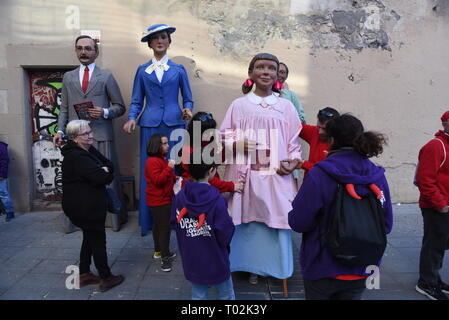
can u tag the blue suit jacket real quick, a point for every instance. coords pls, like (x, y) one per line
(161, 99)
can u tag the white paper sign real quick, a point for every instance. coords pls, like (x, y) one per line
(94, 34)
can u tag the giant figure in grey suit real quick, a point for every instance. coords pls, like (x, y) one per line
(90, 83)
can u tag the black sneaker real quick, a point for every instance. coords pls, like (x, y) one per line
(444, 287)
(172, 255)
(433, 293)
(166, 264)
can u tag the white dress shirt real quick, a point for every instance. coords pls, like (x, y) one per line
(81, 72)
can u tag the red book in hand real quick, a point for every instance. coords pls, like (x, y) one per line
(81, 110)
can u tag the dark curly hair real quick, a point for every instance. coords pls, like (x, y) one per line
(347, 131)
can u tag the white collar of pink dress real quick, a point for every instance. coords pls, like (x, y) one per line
(269, 100)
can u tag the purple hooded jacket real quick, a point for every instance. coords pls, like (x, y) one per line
(4, 160)
(312, 209)
(204, 252)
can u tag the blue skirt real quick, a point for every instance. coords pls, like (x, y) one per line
(145, 217)
(265, 251)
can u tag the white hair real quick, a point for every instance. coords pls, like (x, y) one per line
(74, 127)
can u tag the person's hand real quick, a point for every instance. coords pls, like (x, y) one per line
(95, 112)
(129, 126)
(239, 186)
(186, 114)
(171, 163)
(246, 145)
(287, 166)
(445, 209)
(57, 139)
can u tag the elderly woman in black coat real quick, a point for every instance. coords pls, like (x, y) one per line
(85, 174)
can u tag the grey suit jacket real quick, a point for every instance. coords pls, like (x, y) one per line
(103, 91)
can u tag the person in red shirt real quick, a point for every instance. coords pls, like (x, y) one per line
(432, 178)
(159, 193)
(204, 122)
(317, 139)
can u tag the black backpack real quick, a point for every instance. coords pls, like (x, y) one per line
(356, 236)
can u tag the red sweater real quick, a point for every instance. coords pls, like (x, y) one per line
(433, 181)
(318, 148)
(222, 186)
(160, 180)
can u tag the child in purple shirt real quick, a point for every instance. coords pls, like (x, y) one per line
(204, 231)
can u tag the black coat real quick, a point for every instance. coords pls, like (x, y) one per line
(84, 182)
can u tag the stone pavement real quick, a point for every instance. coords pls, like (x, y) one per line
(34, 254)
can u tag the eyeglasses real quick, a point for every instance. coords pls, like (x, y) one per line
(326, 113)
(205, 117)
(80, 48)
(85, 134)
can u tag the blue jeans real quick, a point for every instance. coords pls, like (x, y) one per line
(225, 291)
(4, 196)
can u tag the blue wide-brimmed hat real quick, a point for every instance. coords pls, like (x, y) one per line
(155, 28)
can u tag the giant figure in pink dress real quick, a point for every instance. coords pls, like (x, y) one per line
(259, 130)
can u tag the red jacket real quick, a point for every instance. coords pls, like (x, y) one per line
(222, 186)
(318, 148)
(160, 180)
(433, 180)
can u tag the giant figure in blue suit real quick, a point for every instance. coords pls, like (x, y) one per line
(159, 83)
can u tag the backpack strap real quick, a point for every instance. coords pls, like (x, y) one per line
(444, 160)
(351, 191)
(444, 151)
(324, 234)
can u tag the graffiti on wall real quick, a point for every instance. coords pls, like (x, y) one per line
(45, 88)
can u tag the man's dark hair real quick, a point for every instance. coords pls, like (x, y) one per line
(87, 37)
(326, 114)
(154, 145)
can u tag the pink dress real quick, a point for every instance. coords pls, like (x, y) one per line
(273, 122)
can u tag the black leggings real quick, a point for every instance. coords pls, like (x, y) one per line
(161, 228)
